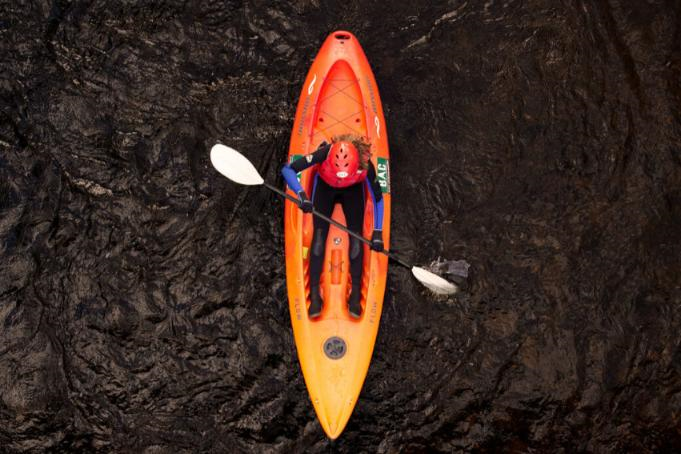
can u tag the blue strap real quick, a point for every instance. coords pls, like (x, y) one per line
(314, 186)
(378, 215)
(291, 178)
(378, 208)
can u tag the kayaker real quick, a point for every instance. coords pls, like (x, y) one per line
(344, 170)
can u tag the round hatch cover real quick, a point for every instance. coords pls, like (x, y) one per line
(335, 347)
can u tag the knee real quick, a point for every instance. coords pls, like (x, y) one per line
(355, 248)
(318, 246)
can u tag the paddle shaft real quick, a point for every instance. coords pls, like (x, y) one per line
(337, 224)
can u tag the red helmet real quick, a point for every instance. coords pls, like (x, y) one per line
(344, 159)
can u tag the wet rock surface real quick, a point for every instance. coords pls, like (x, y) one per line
(143, 298)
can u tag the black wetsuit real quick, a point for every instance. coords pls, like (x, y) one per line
(324, 197)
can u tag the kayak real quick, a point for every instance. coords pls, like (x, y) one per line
(339, 96)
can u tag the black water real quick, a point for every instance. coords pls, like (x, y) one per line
(142, 296)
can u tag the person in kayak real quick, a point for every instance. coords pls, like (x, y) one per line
(344, 170)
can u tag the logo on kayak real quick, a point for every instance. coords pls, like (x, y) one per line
(303, 115)
(295, 157)
(311, 87)
(335, 347)
(383, 175)
(372, 97)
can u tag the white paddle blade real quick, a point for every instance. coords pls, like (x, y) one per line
(435, 283)
(234, 165)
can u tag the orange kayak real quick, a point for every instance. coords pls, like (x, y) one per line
(339, 96)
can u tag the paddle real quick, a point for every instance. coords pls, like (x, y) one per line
(239, 169)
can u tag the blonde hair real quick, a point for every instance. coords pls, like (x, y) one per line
(361, 143)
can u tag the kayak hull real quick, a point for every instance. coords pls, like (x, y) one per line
(339, 96)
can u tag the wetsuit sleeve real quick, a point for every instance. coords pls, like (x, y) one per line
(376, 195)
(291, 178)
(290, 171)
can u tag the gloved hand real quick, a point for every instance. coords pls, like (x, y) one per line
(377, 241)
(304, 203)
